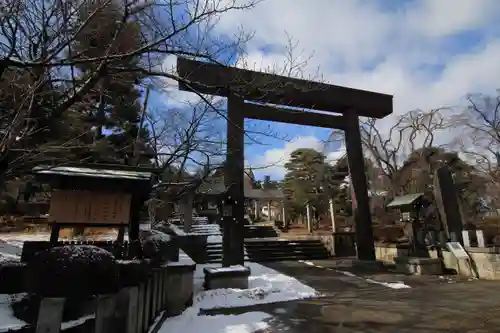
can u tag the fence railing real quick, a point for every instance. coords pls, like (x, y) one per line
(168, 290)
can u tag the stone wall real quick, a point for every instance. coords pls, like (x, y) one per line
(485, 261)
(327, 240)
(387, 252)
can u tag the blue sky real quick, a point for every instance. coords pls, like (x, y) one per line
(426, 53)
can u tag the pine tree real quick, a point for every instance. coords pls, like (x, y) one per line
(113, 108)
(309, 178)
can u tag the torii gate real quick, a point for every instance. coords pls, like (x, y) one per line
(243, 89)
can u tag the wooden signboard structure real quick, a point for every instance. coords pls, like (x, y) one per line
(410, 206)
(96, 196)
(256, 95)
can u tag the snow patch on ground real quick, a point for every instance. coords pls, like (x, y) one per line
(76, 322)
(265, 286)
(9, 322)
(8, 257)
(190, 321)
(237, 268)
(10, 251)
(392, 285)
(7, 319)
(16, 240)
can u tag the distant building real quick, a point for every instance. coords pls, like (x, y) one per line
(266, 194)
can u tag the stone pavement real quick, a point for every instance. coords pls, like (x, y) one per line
(352, 304)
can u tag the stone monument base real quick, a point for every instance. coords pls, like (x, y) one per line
(226, 277)
(419, 266)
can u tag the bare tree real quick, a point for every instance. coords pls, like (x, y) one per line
(36, 54)
(480, 139)
(187, 138)
(481, 121)
(389, 147)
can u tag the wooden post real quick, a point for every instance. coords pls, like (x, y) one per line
(121, 235)
(364, 232)
(284, 214)
(140, 307)
(154, 293)
(50, 315)
(480, 238)
(105, 314)
(132, 310)
(133, 228)
(54, 233)
(122, 301)
(147, 305)
(159, 295)
(233, 251)
(332, 214)
(269, 210)
(466, 238)
(165, 289)
(308, 212)
(158, 292)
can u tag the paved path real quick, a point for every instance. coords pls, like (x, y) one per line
(352, 304)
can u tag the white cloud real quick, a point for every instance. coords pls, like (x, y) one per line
(358, 44)
(170, 87)
(444, 17)
(273, 161)
(361, 44)
(347, 37)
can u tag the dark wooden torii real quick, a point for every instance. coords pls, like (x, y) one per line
(244, 88)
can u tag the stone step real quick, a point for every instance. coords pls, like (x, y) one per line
(206, 231)
(217, 260)
(217, 251)
(218, 248)
(206, 228)
(214, 254)
(278, 250)
(281, 243)
(291, 257)
(268, 252)
(214, 245)
(252, 231)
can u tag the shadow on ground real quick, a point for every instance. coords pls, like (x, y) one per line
(351, 304)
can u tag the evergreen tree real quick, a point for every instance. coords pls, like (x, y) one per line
(113, 109)
(309, 180)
